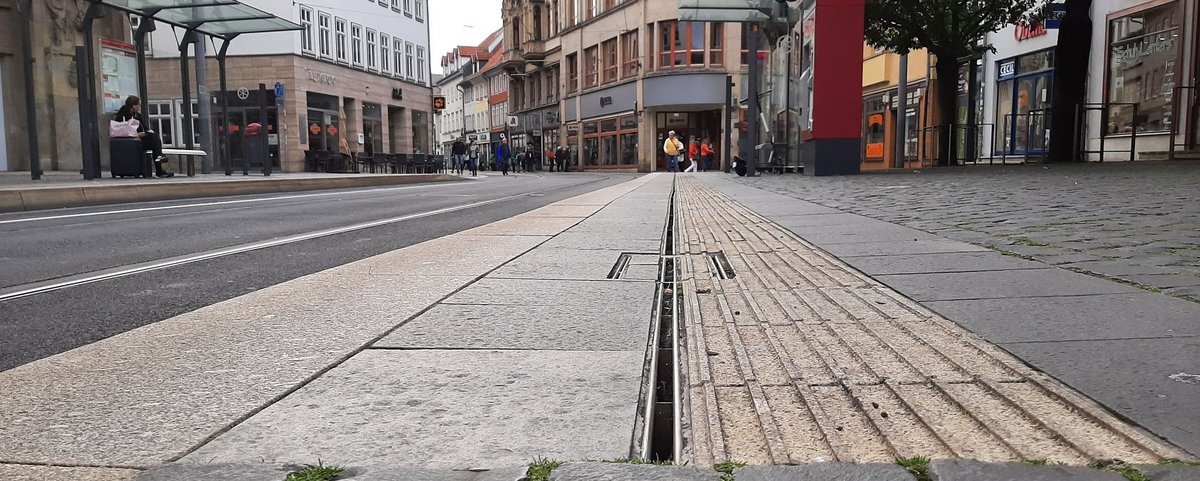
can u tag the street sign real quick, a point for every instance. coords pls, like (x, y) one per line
(278, 89)
(513, 121)
(243, 93)
(1055, 14)
(439, 102)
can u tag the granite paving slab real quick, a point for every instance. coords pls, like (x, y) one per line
(1001, 284)
(897, 247)
(969, 470)
(944, 262)
(591, 241)
(833, 219)
(455, 409)
(25, 472)
(824, 472)
(1171, 473)
(248, 471)
(630, 472)
(1151, 381)
(556, 263)
(535, 292)
(598, 327)
(867, 236)
(1098, 317)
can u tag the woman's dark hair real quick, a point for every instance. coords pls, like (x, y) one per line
(127, 109)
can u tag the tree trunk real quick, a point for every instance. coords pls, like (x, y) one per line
(1070, 80)
(947, 108)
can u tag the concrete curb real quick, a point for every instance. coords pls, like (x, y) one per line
(56, 197)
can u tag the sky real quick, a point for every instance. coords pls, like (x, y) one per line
(460, 22)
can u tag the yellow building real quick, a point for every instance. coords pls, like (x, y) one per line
(881, 108)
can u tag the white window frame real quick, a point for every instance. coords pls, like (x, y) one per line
(419, 10)
(398, 55)
(385, 54)
(372, 50)
(307, 37)
(408, 7)
(154, 110)
(177, 117)
(383, 3)
(408, 60)
(325, 34)
(421, 69)
(396, 6)
(340, 47)
(356, 45)
(135, 21)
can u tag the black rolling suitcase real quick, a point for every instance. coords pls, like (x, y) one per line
(128, 159)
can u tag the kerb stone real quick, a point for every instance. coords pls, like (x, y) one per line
(630, 472)
(967, 470)
(824, 472)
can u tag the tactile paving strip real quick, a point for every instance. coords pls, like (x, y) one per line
(799, 358)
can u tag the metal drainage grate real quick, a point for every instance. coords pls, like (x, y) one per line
(620, 267)
(720, 265)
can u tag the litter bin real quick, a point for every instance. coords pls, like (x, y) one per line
(254, 144)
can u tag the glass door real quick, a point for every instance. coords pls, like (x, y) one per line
(1031, 101)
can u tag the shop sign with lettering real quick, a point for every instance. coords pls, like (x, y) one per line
(1008, 69)
(322, 78)
(606, 101)
(1024, 31)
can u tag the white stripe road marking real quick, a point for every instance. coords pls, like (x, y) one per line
(209, 204)
(19, 292)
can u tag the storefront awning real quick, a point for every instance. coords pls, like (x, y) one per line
(216, 18)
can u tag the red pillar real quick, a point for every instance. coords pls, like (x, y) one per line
(833, 144)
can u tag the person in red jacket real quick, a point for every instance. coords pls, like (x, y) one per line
(706, 153)
(693, 155)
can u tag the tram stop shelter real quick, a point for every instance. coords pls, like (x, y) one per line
(224, 20)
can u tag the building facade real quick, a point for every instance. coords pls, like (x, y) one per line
(355, 79)
(610, 79)
(882, 107)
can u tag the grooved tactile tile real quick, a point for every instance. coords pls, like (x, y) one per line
(800, 359)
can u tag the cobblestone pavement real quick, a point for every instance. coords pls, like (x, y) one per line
(1136, 222)
(794, 357)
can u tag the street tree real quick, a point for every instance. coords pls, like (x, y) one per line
(952, 31)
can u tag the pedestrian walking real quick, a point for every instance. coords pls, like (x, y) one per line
(458, 151)
(693, 155)
(673, 148)
(707, 153)
(473, 158)
(550, 157)
(502, 155)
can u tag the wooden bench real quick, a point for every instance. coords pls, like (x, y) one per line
(191, 156)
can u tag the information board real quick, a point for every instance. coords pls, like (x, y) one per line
(118, 73)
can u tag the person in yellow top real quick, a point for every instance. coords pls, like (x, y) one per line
(673, 148)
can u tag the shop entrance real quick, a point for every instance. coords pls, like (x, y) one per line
(239, 118)
(1023, 104)
(689, 126)
(324, 123)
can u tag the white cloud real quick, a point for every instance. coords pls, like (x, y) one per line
(460, 22)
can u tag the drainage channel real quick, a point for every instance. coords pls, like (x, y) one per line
(662, 437)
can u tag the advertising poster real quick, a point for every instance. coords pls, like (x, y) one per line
(118, 73)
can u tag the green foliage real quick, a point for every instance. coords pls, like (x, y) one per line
(953, 28)
(1124, 469)
(540, 469)
(917, 465)
(726, 469)
(1035, 462)
(642, 461)
(315, 472)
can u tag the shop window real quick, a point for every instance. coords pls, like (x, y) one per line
(385, 55)
(1144, 50)
(629, 54)
(323, 38)
(589, 67)
(609, 149)
(356, 44)
(372, 50)
(875, 136)
(609, 51)
(306, 30)
(572, 72)
(629, 148)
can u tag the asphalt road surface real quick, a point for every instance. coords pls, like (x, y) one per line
(75, 276)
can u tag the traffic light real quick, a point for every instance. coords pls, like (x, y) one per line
(439, 102)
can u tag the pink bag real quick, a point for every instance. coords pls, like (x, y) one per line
(127, 128)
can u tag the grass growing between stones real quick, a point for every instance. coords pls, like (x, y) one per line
(540, 469)
(642, 461)
(1026, 241)
(1035, 462)
(917, 465)
(726, 469)
(1120, 467)
(315, 472)
(1176, 462)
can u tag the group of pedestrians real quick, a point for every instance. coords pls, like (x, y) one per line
(699, 154)
(466, 155)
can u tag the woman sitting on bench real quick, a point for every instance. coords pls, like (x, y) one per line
(132, 110)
